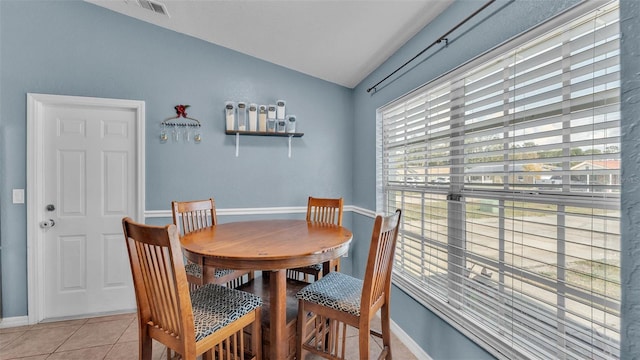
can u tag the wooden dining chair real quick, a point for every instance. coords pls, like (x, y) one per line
(324, 211)
(327, 306)
(189, 216)
(209, 320)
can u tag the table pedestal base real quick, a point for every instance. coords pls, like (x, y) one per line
(260, 286)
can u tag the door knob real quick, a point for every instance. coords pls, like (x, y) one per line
(47, 224)
(50, 207)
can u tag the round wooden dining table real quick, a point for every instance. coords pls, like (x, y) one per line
(268, 245)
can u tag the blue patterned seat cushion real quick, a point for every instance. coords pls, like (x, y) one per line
(335, 290)
(195, 270)
(215, 306)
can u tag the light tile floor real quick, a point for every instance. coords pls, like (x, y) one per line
(111, 337)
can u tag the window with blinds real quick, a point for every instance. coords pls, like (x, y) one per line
(508, 173)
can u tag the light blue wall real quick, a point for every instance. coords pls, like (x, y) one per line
(76, 48)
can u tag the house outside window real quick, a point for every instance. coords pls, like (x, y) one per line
(508, 173)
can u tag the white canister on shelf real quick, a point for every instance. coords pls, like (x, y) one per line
(242, 116)
(280, 109)
(271, 111)
(230, 114)
(262, 118)
(271, 118)
(271, 125)
(253, 117)
(291, 124)
(281, 125)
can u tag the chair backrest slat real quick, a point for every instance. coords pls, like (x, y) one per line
(377, 278)
(158, 287)
(325, 211)
(160, 281)
(193, 215)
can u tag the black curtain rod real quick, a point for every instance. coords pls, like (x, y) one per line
(439, 40)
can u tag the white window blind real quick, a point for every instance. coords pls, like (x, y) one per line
(508, 174)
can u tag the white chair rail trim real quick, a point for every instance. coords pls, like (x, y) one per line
(261, 211)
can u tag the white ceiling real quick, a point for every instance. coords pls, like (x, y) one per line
(341, 41)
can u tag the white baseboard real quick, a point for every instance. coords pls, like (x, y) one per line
(14, 322)
(408, 342)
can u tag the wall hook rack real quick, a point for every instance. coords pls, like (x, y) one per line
(180, 129)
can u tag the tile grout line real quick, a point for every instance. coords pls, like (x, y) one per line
(16, 338)
(111, 346)
(68, 337)
(33, 328)
(135, 318)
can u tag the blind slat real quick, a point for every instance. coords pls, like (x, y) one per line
(508, 172)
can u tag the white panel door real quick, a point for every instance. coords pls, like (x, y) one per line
(89, 186)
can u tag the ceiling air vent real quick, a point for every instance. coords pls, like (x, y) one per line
(154, 6)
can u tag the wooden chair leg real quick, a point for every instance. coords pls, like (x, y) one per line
(145, 344)
(301, 325)
(363, 335)
(386, 330)
(256, 335)
(208, 355)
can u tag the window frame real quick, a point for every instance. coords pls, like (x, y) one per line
(435, 304)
